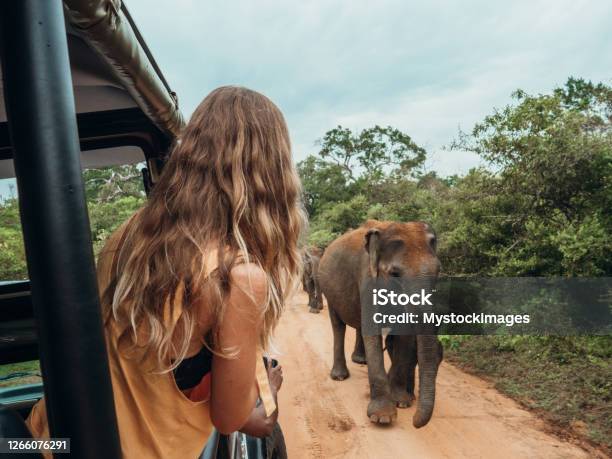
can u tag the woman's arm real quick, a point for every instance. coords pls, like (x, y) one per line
(258, 424)
(234, 388)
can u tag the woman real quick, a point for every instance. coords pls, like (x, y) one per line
(196, 280)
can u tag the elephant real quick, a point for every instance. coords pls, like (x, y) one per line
(310, 280)
(383, 249)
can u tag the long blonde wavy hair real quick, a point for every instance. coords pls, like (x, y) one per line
(229, 185)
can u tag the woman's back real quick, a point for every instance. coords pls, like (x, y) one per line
(211, 256)
(155, 418)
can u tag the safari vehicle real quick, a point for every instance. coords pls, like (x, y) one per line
(80, 90)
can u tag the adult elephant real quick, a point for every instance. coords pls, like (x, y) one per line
(311, 257)
(383, 249)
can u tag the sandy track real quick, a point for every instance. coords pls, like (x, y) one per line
(323, 418)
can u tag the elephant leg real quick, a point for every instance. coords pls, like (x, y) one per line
(381, 408)
(312, 300)
(339, 371)
(403, 353)
(359, 355)
(318, 294)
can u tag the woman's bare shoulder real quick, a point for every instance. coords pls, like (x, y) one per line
(251, 279)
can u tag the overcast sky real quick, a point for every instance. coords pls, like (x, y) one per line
(426, 67)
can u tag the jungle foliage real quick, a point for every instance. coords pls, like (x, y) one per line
(113, 194)
(540, 207)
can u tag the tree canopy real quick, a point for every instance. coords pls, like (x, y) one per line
(541, 207)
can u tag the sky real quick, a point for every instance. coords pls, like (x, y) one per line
(428, 68)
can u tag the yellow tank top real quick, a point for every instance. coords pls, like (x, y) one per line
(155, 419)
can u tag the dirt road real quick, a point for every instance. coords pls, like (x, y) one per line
(323, 418)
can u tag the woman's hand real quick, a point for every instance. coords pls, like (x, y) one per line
(275, 376)
(259, 425)
(234, 388)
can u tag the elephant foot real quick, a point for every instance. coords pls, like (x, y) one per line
(314, 310)
(402, 398)
(339, 373)
(359, 358)
(382, 410)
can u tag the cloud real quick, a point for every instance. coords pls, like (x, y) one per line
(427, 68)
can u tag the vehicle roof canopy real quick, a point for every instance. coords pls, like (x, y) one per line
(113, 71)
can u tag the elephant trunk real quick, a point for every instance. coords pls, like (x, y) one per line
(428, 358)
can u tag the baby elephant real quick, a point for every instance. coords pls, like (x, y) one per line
(310, 278)
(383, 249)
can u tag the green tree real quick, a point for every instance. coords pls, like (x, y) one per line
(352, 163)
(113, 194)
(372, 153)
(12, 253)
(322, 183)
(546, 211)
(108, 183)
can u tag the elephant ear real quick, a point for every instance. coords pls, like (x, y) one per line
(372, 246)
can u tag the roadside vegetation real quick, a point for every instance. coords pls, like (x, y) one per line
(113, 194)
(539, 206)
(565, 380)
(20, 373)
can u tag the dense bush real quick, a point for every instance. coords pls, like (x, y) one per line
(541, 207)
(113, 194)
